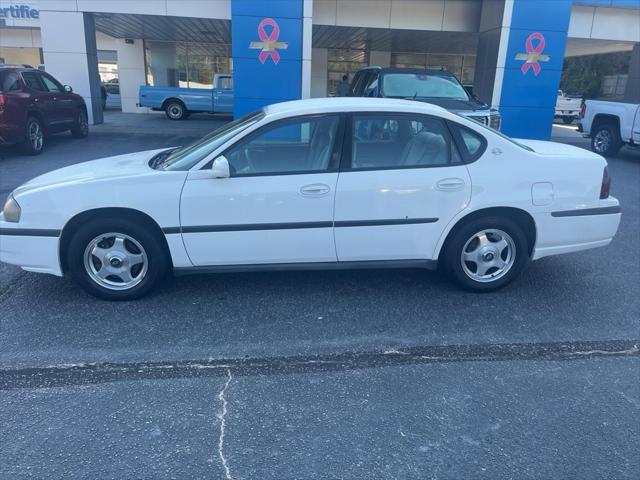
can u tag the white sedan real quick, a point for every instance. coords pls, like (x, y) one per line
(326, 183)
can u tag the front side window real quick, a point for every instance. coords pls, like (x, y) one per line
(399, 141)
(34, 81)
(51, 85)
(186, 157)
(301, 145)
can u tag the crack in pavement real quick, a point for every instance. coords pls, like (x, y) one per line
(94, 373)
(222, 416)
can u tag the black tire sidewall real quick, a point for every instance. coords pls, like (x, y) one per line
(615, 145)
(156, 256)
(76, 131)
(178, 104)
(461, 235)
(27, 147)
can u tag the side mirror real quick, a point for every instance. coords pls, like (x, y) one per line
(68, 89)
(220, 168)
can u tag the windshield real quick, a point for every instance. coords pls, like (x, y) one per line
(496, 132)
(184, 158)
(413, 85)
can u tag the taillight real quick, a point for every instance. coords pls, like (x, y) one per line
(606, 184)
(2, 100)
(583, 109)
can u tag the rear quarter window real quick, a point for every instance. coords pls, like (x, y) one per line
(9, 81)
(470, 143)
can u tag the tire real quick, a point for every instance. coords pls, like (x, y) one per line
(34, 137)
(175, 110)
(605, 140)
(80, 128)
(567, 120)
(140, 253)
(505, 239)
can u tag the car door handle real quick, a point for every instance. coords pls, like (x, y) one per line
(315, 190)
(450, 184)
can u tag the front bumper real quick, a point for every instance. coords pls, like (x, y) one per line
(34, 253)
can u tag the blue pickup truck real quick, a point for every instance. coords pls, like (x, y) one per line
(178, 103)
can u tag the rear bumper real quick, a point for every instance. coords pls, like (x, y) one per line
(37, 253)
(573, 231)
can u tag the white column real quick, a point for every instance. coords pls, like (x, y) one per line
(307, 28)
(379, 59)
(131, 73)
(319, 72)
(69, 48)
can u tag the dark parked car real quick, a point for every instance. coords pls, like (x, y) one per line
(33, 105)
(439, 87)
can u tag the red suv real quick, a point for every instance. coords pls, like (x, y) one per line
(33, 105)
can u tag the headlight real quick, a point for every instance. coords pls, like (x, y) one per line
(11, 210)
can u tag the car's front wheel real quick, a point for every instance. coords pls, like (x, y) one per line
(486, 254)
(80, 127)
(116, 259)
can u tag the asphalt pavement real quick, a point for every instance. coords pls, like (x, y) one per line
(322, 375)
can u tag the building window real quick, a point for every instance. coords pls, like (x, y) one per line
(343, 62)
(185, 64)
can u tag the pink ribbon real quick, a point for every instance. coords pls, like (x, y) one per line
(268, 49)
(533, 53)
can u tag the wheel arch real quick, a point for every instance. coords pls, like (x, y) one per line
(39, 115)
(112, 212)
(520, 216)
(606, 119)
(173, 99)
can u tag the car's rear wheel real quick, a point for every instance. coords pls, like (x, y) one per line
(34, 137)
(80, 127)
(175, 111)
(605, 140)
(116, 259)
(486, 253)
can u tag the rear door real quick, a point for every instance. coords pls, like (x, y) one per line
(401, 182)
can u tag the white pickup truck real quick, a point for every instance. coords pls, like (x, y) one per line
(567, 107)
(610, 125)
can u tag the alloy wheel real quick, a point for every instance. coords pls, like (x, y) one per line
(36, 137)
(488, 255)
(602, 141)
(116, 261)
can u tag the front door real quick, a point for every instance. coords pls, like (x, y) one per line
(277, 206)
(403, 183)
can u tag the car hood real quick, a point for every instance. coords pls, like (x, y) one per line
(453, 105)
(128, 165)
(555, 149)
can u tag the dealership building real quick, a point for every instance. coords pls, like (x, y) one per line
(511, 52)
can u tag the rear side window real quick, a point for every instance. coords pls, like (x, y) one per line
(471, 144)
(391, 141)
(9, 82)
(33, 81)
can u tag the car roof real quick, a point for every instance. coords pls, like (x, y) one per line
(418, 71)
(16, 68)
(350, 104)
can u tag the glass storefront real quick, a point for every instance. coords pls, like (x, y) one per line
(184, 64)
(343, 62)
(462, 66)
